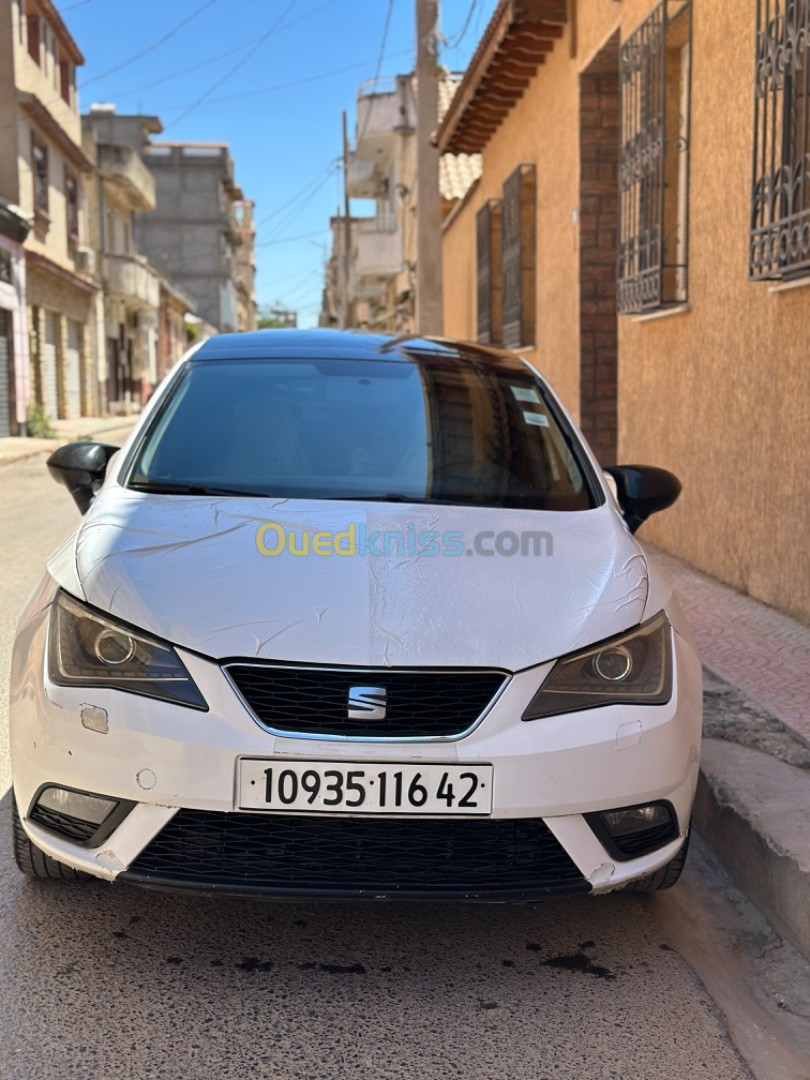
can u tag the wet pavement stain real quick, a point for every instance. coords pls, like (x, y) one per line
(532, 946)
(253, 963)
(120, 934)
(343, 969)
(487, 1004)
(174, 960)
(308, 966)
(579, 962)
(508, 963)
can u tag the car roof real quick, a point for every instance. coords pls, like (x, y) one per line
(345, 344)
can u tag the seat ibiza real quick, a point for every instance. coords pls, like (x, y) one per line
(355, 616)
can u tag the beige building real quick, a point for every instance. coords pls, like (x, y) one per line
(42, 168)
(382, 168)
(121, 187)
(245, 264)
(615, 237)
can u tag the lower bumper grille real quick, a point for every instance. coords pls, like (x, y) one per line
(294, 855)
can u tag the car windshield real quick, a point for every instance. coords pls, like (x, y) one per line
(430, 430)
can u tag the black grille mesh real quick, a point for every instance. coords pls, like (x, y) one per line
(277, 853)
(70, 827)
(423, 704)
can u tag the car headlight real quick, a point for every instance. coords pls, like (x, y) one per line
(634, 668)
(86, 648)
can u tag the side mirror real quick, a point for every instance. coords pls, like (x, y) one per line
(81, 466)
(643, 490)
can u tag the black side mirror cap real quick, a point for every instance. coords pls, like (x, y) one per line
(643, 490)
(81, 466)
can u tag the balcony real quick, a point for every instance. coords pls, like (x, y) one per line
(378, 245)
(130, 278)
(364, 180)
(385, 111)
(122, 166)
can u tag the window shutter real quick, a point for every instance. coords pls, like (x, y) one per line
(488, 276)
(519, 240)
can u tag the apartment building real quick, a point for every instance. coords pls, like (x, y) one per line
(200, 234)
(382, 167)
(617, 239)
(42, 170)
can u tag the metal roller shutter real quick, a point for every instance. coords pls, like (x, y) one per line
(5, 373)
(50, 398)
(50, 394)
(73, 378)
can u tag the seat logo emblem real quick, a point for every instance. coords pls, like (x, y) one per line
(367, 703)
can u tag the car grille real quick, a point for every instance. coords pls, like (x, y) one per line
(314, 701)
(70, 827)
(289, 855)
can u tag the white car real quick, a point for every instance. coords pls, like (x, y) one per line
(355, 616)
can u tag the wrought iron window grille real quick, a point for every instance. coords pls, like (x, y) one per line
(780, 201)
(655, 92)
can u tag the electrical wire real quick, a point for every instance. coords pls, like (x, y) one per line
(236, 67)
(378, 68)
(154, 45)
(454, 42)
(285, 86)
(279, 209)
(289, 239)
(213, 59)
(294, 213)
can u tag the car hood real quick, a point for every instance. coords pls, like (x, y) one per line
(189, 570)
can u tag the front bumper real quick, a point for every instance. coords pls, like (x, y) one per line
(171, 761)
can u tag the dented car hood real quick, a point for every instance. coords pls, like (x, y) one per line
(188, 569)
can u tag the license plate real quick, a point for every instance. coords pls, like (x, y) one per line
(353, 788)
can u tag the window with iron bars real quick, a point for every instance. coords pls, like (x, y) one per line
(654, 82)
(488, 272)
(780, 204)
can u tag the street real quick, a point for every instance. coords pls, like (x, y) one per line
(116, 981)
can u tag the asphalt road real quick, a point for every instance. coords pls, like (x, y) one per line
(107, 981)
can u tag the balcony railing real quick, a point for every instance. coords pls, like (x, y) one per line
(122, 165)
(130, 278)
(379, 247)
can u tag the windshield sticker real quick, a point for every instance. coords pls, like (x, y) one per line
(536, 419)
(525, 393)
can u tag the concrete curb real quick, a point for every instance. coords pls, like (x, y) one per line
(754, 812)
(25, 448)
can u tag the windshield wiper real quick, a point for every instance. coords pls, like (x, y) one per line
(159, 487)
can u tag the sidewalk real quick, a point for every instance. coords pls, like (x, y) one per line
(753, 799)
(83, 427)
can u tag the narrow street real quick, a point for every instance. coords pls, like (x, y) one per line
(103, 981)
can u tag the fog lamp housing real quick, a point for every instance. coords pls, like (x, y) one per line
(632, 831)
(81, 817)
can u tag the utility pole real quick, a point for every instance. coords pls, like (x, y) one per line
(428, 198)
(346, 317)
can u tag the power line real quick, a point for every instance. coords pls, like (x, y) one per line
(274, 213)
(295, 212)
(454, 42)
(212, 59)
(154, 45)
(289, 239)
(285, 86)
(232, 71)
(378, 68)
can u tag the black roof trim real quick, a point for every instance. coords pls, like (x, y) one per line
(342, 344)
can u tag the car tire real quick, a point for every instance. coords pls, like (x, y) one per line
(664, 878)
(35, 863)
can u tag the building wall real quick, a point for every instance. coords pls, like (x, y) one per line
(719, 394)
(190, 237)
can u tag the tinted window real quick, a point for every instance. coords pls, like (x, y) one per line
(428, 431)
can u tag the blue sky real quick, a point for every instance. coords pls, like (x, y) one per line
(285, 138)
